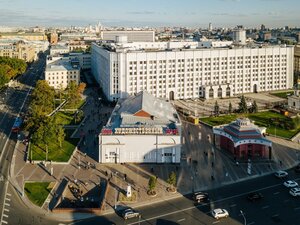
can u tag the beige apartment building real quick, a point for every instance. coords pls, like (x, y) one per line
(24, 36)
(60, 72)
(18, 50)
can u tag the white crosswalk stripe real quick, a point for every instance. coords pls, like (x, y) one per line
(3, 221)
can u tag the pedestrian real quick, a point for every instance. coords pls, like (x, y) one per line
(125, 176)
(152, 170)
(237, 163)
(212, 164)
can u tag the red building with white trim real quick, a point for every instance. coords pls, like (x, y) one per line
(244, 140)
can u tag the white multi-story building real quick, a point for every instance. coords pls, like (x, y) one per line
(141, 129)
(183, 70)
(59, 49)
(132, 35)
(61, 71)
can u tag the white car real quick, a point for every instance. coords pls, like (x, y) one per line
(219, 213)
(295, 192)
(290, 184)
(281, 174)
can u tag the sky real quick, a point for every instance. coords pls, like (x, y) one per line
(152, 13)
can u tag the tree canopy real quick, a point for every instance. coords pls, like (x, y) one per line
(9, 68)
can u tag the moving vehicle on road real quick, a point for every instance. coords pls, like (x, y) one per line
(17, 125)
(200, 197)
(130, 213)
(295, 192)
(281, 174)
(220, 213)
(290, 184)
(254, 196)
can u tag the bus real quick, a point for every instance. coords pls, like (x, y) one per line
(17, 125)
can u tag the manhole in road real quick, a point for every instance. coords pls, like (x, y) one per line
(276, 218)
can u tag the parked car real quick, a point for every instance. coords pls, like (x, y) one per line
(281, 174)
(290, 184)
(200, 197)
(254, 196)
(130, 213)
(295, 192)
(220, 213)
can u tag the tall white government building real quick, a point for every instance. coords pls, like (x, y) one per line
(183, 70)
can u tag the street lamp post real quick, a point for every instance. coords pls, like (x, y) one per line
(242, 213)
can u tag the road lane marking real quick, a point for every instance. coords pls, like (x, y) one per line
(8, 199)
(8, 194)
(251, 223)
(275, 215)
(181, 220)
(217, 201)
(276, 193)
(3, 221)
(233, 205)
(6, 204)
(6, 210)
(5, 215)
(297, 208)
(218, 221)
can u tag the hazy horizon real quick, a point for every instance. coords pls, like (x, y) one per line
(131, 13)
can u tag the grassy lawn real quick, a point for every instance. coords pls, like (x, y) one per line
(37, 192)
(219, 120)
(275, 123)
(283, 94)
(77, 106)
(54, 152)
(66, 118)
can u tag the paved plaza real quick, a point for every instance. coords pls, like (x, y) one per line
(202, 167)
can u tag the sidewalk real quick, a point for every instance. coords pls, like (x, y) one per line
(202, 172)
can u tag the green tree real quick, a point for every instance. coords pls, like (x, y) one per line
(254, 107)
(216, 109)
(73, 94)
(60, 134)
(42, 98)
(230, 108)
(152, 184)
(172, 180)
(243, 105)
(45, 134)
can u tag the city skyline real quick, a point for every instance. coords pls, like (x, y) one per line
(192, 13)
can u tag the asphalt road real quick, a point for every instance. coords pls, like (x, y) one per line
(16, 101)
(277, 207)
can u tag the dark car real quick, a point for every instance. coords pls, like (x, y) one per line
(297, 168)
(254, 196)
(200, 197)
(130, 213)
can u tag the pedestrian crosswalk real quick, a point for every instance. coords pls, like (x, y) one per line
(5, 213)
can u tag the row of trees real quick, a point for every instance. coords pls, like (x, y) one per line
(10, 68)
(172, 180)
(243, 108)
(46, 129)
